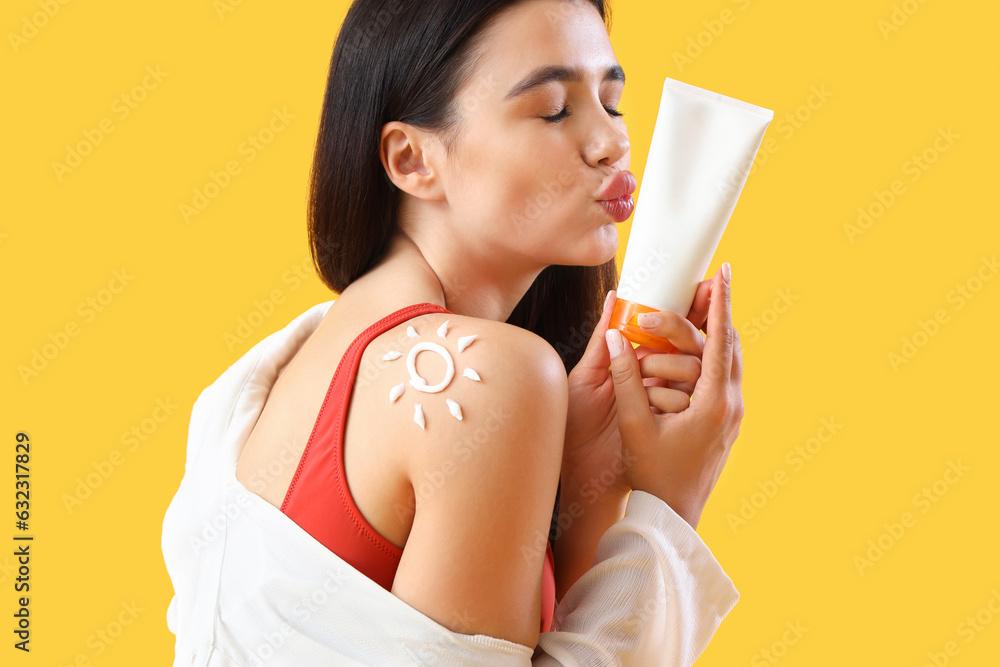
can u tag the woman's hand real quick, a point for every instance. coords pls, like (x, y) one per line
(678, 454)
(594, 483)
(592, 453)
(659, 368)
(593, 447)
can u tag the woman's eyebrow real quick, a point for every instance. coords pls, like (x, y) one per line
(549, 73)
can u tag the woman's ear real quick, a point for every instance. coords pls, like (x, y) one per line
(407, 154)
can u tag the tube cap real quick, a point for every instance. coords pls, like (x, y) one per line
(623, 318)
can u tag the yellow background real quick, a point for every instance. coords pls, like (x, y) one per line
(826, 356)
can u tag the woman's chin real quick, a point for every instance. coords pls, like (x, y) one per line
(602, 251)
(594, 247)
(607, 238)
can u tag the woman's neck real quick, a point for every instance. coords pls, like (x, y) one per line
(415, 277)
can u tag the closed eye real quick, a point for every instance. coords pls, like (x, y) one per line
(565, 113)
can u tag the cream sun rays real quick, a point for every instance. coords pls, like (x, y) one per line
(419, 383)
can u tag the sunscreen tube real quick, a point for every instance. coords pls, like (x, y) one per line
(703, 147)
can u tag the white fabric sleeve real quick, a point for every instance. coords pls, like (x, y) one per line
(654, 596)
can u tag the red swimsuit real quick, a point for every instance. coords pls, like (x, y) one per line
(318, 499)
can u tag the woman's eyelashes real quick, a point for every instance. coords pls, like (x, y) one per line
(565, 112)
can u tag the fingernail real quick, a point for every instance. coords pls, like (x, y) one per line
(727, 273)
(647, 320)
(614, 340)
(607, 299)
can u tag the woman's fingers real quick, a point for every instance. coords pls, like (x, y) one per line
(678, 330)
(686, 387)
(634, 420)
(699, 306)
(717, 360)
(668, 400)
(677, 370)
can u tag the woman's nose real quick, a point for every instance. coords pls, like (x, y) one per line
(608, 142)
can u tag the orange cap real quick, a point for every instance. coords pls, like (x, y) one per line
(623, 318)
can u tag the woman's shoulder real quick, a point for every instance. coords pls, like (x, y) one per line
(444, 376)
(467, 341)
(502, 359)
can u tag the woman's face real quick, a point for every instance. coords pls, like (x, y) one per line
(525, 186)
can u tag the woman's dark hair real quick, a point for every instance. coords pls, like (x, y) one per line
(405, 60)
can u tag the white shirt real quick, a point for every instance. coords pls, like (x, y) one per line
(253, 588)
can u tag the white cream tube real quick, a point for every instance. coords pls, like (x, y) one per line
(702, 149)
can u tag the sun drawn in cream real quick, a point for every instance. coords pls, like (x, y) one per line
(419, 383)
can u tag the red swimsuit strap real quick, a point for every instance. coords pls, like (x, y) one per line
(346, 372)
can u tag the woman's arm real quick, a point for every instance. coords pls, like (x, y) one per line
(655, 594)
(593, 487)
(587, 508)
(473, 560)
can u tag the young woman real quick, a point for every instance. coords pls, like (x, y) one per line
(472, 454)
